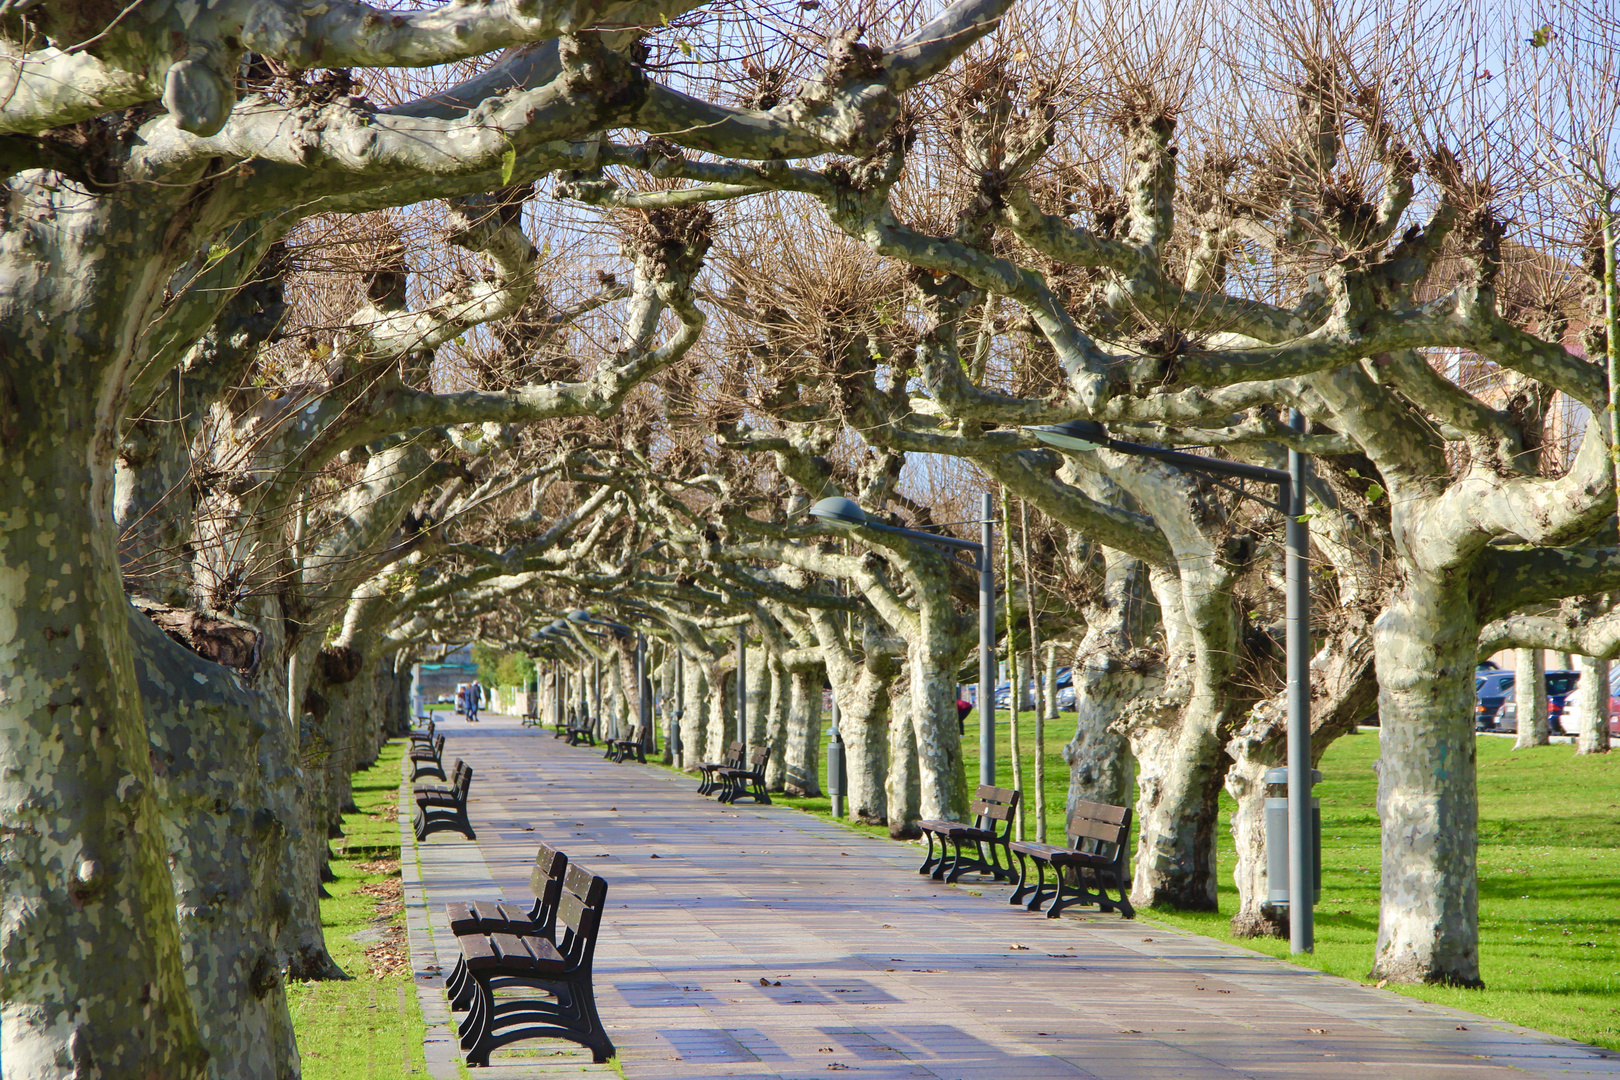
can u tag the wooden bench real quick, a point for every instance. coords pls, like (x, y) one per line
(709, 781)
(1098, 834)
(739, 783)
(427, 759)
(579, 732)
(993, 811)
(559, 966)
(424, 736)
(622, 749)
(531, 717)
(444, 808)
(491, 917)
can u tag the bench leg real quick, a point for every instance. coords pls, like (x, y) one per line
(997, 870)
(1077, 893)
(1021, 885)
(1040, 896)
(459, 986)
(928, 861)
(949, 872)
(1125, 907)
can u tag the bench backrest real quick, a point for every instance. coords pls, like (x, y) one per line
(637, 734)
(579, 914)
(1099, 828)
(994, 809)
(550, 868)
(758, 759)
(462, 780)
(438, 746)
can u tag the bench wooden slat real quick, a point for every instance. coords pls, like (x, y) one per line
(1098, 833)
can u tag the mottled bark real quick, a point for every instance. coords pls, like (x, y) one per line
(757, 682)
(1177, 740)
(801, 751)
(1110, 671)
(1530, 698)
(695, 745)
(226, 836)
(776, 724)
(90, 959)
(722, 706)
(1590, 707)
(902, 785)
(1427, 802)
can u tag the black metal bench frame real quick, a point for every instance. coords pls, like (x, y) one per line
(428, 759)
(635, 746)
(560, 968)
(579, 732)
(493, 917)
(994, 809)
(709, 780)
(746, 783)
(1098, 834)
(442, 809)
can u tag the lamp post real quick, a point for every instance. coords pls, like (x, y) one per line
(1086, 435)
(847, 514)
(742, 689)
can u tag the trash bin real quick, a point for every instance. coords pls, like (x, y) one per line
(1277, 838)
(836, 779)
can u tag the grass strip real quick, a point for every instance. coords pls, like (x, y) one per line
(1549, 876)
(369, 1026)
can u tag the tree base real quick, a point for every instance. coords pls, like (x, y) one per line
(1265, 923)
(1411, 976)
(314, 965)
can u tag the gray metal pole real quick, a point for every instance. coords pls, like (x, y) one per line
(641, 686)
(987, 645)
(836, 750)
(1301, 879)
(742, 689)
(676, 710)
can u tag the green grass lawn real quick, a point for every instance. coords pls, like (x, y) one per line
(1549, 885)
(371, 1025)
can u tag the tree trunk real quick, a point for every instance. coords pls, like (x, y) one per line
(90, 960)
(1530, 698)
(903, 790)
(1592, 698)
(1179, 752)
(225, 842)
(695, 745)
(758, 686)
(776, 725)
(937, 729)
(722, 708)
(1426, 639)
(802, 753)
(1109, 673)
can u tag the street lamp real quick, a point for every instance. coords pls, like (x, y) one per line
(845, 513)
(1087, 435)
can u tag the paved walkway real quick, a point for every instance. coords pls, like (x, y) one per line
(762, 942)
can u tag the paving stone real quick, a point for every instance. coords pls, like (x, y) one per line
(885, 974)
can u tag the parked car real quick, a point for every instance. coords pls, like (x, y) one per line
(1491, 689)
(1065, 681)
(1559, 684)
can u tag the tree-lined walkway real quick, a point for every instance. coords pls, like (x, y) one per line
(762, 942)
